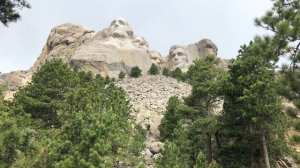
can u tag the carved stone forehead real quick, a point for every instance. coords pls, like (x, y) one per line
(176, 48)
(119, 20)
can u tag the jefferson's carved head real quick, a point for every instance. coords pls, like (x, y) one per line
(140, 42)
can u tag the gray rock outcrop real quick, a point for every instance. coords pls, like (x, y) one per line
(62, 43)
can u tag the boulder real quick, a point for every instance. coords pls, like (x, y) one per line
(156, 147)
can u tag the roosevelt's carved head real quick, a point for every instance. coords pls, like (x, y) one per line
(119, 28)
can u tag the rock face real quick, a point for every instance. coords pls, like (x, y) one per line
(13, 80)
(149, 96)
(62, 42)
(112, 50)
(183, 56)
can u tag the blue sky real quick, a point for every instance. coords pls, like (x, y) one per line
(162, 23)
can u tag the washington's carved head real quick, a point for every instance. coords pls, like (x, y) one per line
(119, 28)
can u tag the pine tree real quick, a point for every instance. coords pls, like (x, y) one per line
(153, 70)
(135, 72)
(96, 131)
(122, 75)
(284, 20)
(207, 79)
(252, 110)
(166, 72)
(42, 98)
(8, 10)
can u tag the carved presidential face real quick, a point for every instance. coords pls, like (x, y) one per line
(140, 42)
(155, 58)
(119, 28)
(178, 57)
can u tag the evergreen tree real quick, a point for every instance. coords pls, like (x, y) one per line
(153, 70)
(166, 72)
(135, 72)
(8, 10)
(96, 131)
(207, 79)
(284, 20)
(42, 98)
(122, 75)
(177, 74)
(252, 110)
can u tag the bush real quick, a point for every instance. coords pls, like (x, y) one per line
(291, 112)
(166, 72)
(135, 72)
(177, 74)
(295, 138)
(296, 158)
(297, 125)
(296, 102)
(122, 75)
(153, 70)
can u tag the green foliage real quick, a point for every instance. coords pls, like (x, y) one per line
(295, 138)
(296, 157)
(283, 21)
(177, 74)
(9, 10)
(296, 125)
(202, 163)
(96, 131)
(170, 120)
(122, 75)
(252, 106)
(166, 72)
(135, 72)
(43, 97)
(296, 102)
(171, 157)
(291, 112)
(153, 70)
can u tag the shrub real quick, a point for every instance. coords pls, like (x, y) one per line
(297, 125)
(296, 158)
(153, 70)
(135, 72)
(295, 138)
(178, 74)
(166, 72)
(122, 75)
(291, 112)
(296, 102)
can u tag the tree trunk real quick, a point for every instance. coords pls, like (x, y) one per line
(209, 148)
(265, 150)
(252, 162)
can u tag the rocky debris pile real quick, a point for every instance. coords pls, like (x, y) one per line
(149, 96)
(152, 92)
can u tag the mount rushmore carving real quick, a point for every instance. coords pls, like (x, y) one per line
(107, 52)
(114, 49)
